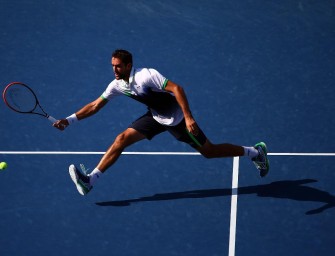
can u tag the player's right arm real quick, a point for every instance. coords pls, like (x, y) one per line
(86, 111)
(91, 108)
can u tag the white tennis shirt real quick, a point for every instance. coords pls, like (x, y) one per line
(147, 86)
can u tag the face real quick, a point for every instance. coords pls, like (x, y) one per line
(121, 70)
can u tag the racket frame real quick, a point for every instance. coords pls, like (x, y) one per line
(50, 118)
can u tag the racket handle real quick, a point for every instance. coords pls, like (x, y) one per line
(52, 119)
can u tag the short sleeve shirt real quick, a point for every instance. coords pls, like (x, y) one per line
(147, 86)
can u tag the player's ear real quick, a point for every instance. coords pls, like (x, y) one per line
(128, 66)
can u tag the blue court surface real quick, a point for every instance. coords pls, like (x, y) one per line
(252, 70)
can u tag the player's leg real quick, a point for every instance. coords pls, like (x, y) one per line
(203, 145)
(258, 153)
(143, 127)
(123, 140)
(210, 150)
(84, 182)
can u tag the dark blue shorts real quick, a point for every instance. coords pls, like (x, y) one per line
(149, 127)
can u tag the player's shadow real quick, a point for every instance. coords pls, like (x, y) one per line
(287, 189)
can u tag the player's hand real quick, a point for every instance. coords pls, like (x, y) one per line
(61, 124)
(192, 126)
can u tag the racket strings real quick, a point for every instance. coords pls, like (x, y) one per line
(20, 98)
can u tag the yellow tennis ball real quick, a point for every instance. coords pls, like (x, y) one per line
(3, 165)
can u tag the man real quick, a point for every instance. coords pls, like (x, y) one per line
(168, 110)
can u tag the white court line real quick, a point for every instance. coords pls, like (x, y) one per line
(233, 208)
(301, 154)
(142, 153)
(93, 153)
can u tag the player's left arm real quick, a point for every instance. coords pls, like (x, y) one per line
(181, 98)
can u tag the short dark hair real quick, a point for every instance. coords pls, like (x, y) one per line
(123, 55)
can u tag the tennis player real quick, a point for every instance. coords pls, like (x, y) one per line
(168, 110)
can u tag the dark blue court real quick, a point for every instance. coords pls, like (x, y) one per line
(253, 71)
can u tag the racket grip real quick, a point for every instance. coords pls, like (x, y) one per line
(52, 119)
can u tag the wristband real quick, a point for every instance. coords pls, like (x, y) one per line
(71, 119)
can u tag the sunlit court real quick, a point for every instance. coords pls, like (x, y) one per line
(252, 71)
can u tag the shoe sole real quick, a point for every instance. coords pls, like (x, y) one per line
(265, 149)
(267, 163)
(75, 178)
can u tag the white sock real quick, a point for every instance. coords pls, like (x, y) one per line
(250, 152)
(94, 176)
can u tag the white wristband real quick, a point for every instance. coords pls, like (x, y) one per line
(71, 119)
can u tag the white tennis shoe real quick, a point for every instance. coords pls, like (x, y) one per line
(81, 180)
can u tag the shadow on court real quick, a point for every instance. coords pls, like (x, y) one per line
(288, 189)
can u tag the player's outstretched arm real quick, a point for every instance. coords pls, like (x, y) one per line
(91, 108)
(88, 110)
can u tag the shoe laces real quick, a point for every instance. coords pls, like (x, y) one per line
(83, 169)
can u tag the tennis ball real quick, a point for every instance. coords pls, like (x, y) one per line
(3, 165)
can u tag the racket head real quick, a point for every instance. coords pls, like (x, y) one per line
(20, 97)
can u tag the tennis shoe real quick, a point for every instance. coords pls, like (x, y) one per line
(261, 161)
(82, 181)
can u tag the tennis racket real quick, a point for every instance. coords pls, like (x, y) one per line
(22, 99)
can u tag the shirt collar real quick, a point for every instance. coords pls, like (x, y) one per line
(132, 74)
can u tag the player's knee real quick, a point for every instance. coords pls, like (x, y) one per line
(207, 154)
(207, 150)
(120, 141)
